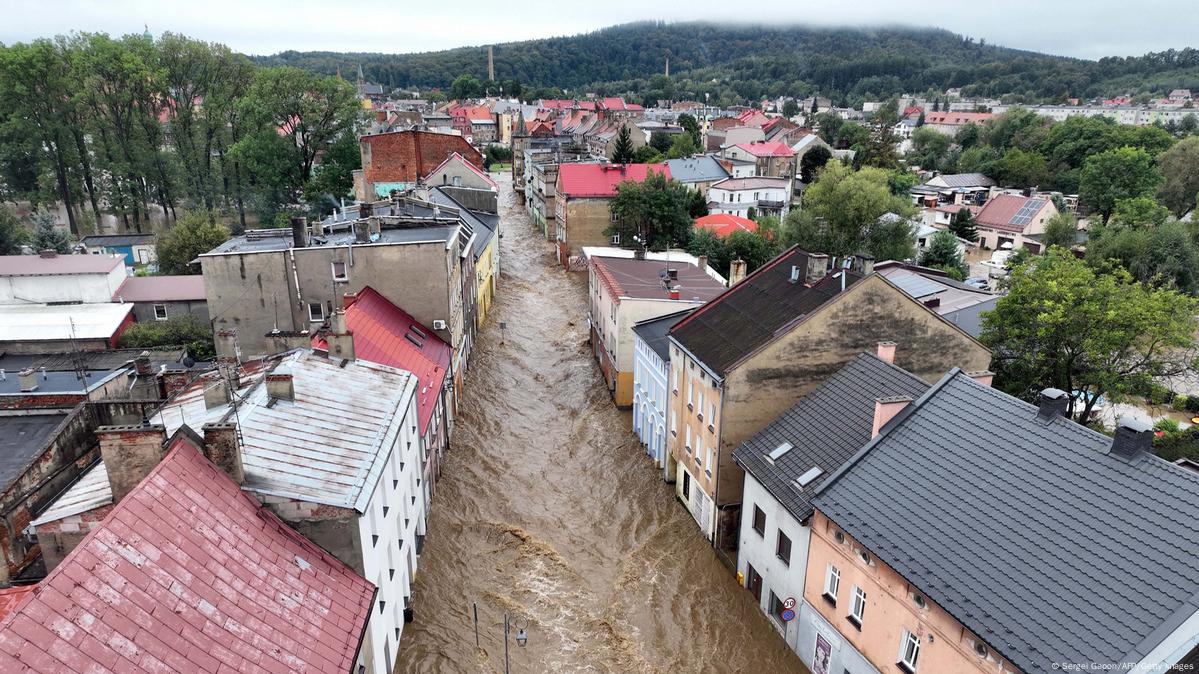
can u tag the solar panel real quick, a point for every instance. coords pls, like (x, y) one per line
(1026, 212)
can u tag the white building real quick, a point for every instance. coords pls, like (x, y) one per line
(767, 196)
(53, 278)
(651, 370)
(786, 462)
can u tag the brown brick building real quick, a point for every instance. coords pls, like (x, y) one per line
(392, 160)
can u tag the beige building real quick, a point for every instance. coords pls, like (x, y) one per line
(584, 192)
(744, 358)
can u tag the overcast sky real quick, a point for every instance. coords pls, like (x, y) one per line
(1083, 28)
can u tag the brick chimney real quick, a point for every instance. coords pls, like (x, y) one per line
(863, 263)
(221, 448)
(348, 300)
(47, 254)
(381, 116)
(339, 338)
(173, 381)
(702, 263)
(227, 349)
(299, 231)
(886, 352)
(27, 379)
(984, 377)
(885, 410)
(216, 394)
(737, 272)
(279, 385)
(817, 267)
(130, 453)
(141, 364)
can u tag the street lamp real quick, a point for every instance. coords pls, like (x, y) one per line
(511, 620)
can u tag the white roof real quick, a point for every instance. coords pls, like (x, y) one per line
(675, 255)
(327, 446)
(89, 492)
(41, 322)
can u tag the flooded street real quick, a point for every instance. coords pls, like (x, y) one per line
(548, 506)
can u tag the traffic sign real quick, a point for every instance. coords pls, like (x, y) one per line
(789, 603)
(788, 615)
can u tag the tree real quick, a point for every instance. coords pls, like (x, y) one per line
(1061, 230)
(929, 148)
(753, 247)
(892, 237)
(1114, 175)
(622, 150)
(465, 87)
(180, 331)
(843, 214)
(790, 108)
(962, 225)
(1139, 212)
(12, 234)
(681, 146)
(691, 126)
(656, 211)
(812, 161)
(1054, 328)
(193, 234)
(1179, 167)
(647, 154)
(1164, 256)
(661, 141)
(47, 236)
(1019, 168)
(944, 253)
(968, 136)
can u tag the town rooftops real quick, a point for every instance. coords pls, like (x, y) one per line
(752, 183)
(957, 118)
(965, 180)
(183, 288)
(723, 224)
(764, 148)
(655, 331)
(1029, 529)
(825, 429)
(1010, 212)
(337, 231)
(643, 279)
(750, 313)
(57, 322)
(386, 334)
(328, 445)
(600, 180)
(11, 598)
(932, 287)
(190, 574)
(116, 240)
(473, 169)
(23, 437)
(703, 168)
(58, 265)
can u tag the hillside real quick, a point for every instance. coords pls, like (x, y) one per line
(752, 61)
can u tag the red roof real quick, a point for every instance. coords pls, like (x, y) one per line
(475, 169)
(11, 598)
(723, 224)
(600, 180)
(772, 148)
(613, 103)
(388, 335)
(753, 118)
(188, 573)
(1000, 212)
(161, 289)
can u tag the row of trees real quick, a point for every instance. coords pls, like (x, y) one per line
(135, 126)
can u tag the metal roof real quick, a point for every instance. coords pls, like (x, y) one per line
(654, 332)
(89, 492)
(43, 322)
(327, 446)
(696, 169)
(161, 289)
(22, 438)
(36, 265)
(1028, 532)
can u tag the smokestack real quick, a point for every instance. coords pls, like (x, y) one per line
(129, 453)
(220, 447)
(886, 352)
(1053, 403)
(737, 272)
(299, 231)
(491, 63)
(279, 385)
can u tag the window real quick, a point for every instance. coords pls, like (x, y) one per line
(699, 449)
(777, 608)
(340, 273)
(832, 583)
(615, 239)
(160, 312)
(782, 548)
(699, 405)
(674, 380)
(686, 486)
(687, 444)
(759, 521)
(857, 609)
(674, 429)
(690, 394)
(316, 312)
(909, 651)
(712, 416)
(612, 217)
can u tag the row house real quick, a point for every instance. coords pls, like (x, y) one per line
(456, 171)
(584, 193)
(771, 158)
(979, 533)
(651, 372)
(742, 359)
(399, 160)
(623, 291)
(698, 172)
(751, 197)
(161, 298)
(950, 123)
(187, 574)
(475, 122)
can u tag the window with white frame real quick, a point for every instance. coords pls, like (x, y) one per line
(690, 394)
(160, 312)
(674, 429)
(712, 415)
(909, 651)
(832, 583)
(615, 239)
(340, 272)
(699, 405)
(699, 449)
(316, 312)
(857, 608)
(687, 444)
(711, 457)
(674, 380)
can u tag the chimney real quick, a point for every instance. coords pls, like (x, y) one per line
(702, 263)
(141, 364)
(27, 378)
(863, 263)
(885, 410)
(736, 272)
(639, 254)
(173, 381)
(362, 230)
(220, 447)
(984, 377)
(129, 453)
(1053, 403)
(817, 267)
(886, 352)
(279, 385)
(47, 254)
(299, 231)
(381, 116)
(349, 299)
(227, 350)
(339, 338)
(216, 394)
(1132, 436)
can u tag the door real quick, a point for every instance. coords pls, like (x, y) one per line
(687, 487)
(753, 582)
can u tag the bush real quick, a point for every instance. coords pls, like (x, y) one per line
(1159, 395)
(185, 331)
(1180, 402)
(1178, 445)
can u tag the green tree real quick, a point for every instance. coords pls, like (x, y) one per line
(691, 126)
(1018, 168)
(193, 234)
(465, 87)
(1054, 328)
(753, 247)
(656, 211)
(622, 149)
(812, 161)
(1179, 167)
(1114, 175)
(181, 331)
(790, 108)
(962, 225)
(1164, 256)
(706, 242)
(1139, 212)
(929, 149)
(647, 154)
(681, 146)
(1061, 230)
(661, 141)
(943, 253)
(47, 236)
(968, 136)
(12, 233)
(843, 214)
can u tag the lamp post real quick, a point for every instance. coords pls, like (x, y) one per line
(521, 623)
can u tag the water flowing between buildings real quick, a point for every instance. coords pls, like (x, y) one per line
(548, 507)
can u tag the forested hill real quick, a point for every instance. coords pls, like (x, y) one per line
(753, 61)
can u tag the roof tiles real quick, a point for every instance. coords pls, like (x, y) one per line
(600, 180)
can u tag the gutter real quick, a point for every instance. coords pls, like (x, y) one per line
(366, 626)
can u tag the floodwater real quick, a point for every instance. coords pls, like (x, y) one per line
(548, 507)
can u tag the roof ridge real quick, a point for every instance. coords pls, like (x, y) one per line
(760, 270)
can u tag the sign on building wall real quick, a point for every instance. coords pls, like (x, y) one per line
(824, 653)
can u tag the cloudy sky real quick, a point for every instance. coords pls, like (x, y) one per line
(1082, 28)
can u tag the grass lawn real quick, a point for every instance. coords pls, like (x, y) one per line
(500, 168)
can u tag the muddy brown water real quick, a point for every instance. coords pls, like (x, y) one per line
(548, 506)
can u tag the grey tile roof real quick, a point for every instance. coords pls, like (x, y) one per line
(654, 331)
(703, 168)
(966, 180)
(1028, 533)
(826, 427)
